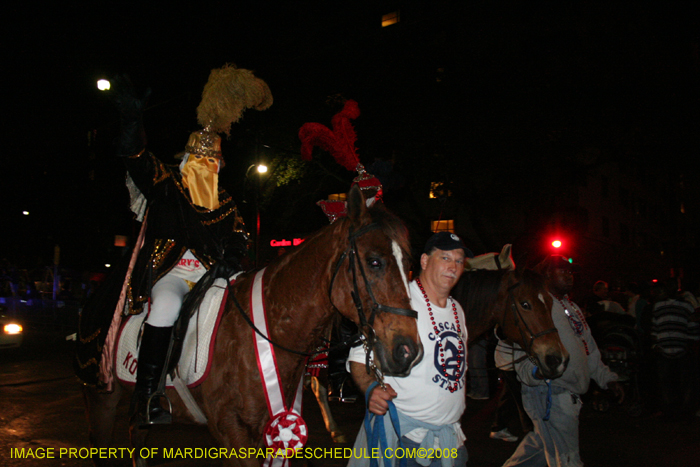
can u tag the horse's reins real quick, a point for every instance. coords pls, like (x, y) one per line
(366, 324)
(366, 332)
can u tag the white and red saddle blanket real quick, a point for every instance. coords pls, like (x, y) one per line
(193, 367)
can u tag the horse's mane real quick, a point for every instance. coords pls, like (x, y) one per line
(392, 226)
(477, 289)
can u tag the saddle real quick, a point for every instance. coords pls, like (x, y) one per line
(195, 342)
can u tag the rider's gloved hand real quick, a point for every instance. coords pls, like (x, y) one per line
(132, 138)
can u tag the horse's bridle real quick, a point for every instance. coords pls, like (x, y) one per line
(366, 332)
(518, 317)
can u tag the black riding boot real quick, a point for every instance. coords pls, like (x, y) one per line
(340, 385)
(152, 354)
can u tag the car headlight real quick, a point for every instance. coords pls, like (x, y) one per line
(12, 328)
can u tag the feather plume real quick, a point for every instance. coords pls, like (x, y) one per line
(228, 92)
(340, 141)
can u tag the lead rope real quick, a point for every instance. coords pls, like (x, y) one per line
(377, 435)
(548, 403)
(511, 364)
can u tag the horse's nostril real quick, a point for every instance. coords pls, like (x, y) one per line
(404, 353)
(552, 361)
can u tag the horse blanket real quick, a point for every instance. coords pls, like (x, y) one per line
(194, 364)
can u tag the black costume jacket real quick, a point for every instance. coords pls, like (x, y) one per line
(173, 225)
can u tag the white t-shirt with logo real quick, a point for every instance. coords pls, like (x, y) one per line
(424, 394)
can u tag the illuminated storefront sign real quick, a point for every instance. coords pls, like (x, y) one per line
(283, 242)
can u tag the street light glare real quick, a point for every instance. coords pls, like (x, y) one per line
(262, 168)
(103, 85)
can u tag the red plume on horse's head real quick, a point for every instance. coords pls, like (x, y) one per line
(340, 141)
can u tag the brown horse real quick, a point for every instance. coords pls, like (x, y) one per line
(356, 266)
(518, 302)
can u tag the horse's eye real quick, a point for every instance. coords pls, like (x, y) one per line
(526, 305)
(375, 263)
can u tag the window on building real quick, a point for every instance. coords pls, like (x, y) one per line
(390, 18)
(439, 190)
(443, 226)
(338, 197)
(606, 226)
(120, 240)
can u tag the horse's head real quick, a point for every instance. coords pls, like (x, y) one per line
(370, 284)
(527, 321)
(492, 261)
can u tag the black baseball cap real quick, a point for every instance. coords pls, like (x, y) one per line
(446, 241)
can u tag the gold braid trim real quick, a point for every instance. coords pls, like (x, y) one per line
(92, 361)
(91, 337)
(220, 217)
(160, 173)
(161, 248)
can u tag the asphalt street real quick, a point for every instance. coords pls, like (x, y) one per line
(41, 408)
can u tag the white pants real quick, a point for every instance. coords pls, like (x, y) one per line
(554, 442)
(169, 292)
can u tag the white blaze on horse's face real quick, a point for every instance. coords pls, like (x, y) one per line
(399, 262)
(541, 297)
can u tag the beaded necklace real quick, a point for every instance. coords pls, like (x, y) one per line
(460, 350)
(579, 323)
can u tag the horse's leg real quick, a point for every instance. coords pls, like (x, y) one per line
(232, 436)
(242, 462)
(321, 394)
(101, 411)
(138, 441)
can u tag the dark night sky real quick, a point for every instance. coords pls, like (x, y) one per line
(514, 75)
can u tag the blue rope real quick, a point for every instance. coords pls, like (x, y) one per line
(549, 400)
(549, 395)
(377, 436)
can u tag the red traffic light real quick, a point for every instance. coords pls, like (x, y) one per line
(556, 243)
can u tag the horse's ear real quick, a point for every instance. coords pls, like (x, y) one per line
(534, 276)
(541, 267)
(356, 205)
(506, 259)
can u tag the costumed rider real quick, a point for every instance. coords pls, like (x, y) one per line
(554, 406)
(191, 224)
(340, 143)
(431, 399)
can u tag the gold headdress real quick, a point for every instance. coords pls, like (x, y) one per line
(228, 92)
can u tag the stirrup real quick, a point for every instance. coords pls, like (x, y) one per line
(339, 393)
(164, 417)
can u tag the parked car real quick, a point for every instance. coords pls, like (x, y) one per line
(12, 332)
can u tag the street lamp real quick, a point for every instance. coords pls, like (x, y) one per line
(261, 169)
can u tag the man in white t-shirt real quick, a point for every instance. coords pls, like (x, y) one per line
(431, 400)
